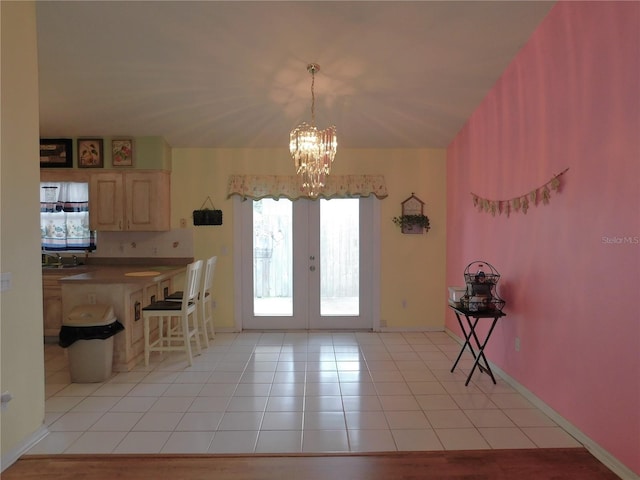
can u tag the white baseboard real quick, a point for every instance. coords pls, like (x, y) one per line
(10, 457)
(596, 450)
(378, 329)
(385, 329)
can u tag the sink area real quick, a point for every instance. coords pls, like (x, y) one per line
(55, 261)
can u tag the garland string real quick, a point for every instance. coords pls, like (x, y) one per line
(521, 203)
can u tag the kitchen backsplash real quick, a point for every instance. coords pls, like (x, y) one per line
(171, 244)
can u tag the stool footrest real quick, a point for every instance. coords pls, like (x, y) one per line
(164, 305)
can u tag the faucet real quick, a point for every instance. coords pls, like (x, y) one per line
(47, 255)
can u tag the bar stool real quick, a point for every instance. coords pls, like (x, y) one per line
(178, 337)
(206, 301)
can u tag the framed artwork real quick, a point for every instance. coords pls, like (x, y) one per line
(56, 152)
(122, 152)
(90, 153)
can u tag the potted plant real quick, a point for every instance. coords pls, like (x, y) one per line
(416, 223)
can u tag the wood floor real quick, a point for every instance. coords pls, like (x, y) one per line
(538, 464)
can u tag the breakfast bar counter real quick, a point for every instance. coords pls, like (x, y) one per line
(127, 289)
(138, 274)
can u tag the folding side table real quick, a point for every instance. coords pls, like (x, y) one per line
(471, 333)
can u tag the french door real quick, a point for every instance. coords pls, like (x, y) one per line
(307, 264)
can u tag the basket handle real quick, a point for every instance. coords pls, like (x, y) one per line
(481, 263)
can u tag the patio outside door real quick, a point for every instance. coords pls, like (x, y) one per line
(307, 264)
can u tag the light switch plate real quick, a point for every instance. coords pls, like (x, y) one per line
(5, 281)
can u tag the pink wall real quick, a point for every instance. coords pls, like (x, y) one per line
(569, 99)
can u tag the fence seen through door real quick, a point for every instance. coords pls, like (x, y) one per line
(338, 265)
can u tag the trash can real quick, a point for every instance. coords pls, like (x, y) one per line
(88, 334)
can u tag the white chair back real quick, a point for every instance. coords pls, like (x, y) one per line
(208, 274)
(192, 285)
(206, 301)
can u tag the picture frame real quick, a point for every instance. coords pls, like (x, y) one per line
(90, 153)
(122, 152)
(56, 153)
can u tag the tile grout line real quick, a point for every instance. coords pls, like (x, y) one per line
(363, 355)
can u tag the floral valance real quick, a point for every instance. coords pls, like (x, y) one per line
(256, 187)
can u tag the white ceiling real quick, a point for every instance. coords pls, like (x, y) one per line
(233, 74)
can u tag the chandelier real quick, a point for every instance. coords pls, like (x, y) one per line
(313, 150)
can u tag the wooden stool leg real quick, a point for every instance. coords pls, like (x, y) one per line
(196, 328)
(187, 341)
(146, 340)
(210, 317)
(205, 333)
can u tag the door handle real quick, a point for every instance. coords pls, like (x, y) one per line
(312, 257)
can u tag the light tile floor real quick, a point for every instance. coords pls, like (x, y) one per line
(294, 392)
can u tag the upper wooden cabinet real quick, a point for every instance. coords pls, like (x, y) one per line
(130, 201)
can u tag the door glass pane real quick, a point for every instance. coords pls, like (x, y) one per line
(339, 257)
(272, 257)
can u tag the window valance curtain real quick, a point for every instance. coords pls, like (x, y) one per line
(256, 187)
(64, 217)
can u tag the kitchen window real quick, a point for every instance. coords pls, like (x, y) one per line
(64, 217)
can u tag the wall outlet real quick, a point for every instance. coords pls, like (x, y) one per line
(154, 251)
(183, 223)
(517, 344)
(91, 298)
(5, 398)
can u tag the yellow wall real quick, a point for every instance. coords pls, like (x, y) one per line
(412, 266)
(21, 352)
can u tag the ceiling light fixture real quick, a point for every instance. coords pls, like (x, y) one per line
(313, 151)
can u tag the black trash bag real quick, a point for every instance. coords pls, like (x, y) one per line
(69, 334)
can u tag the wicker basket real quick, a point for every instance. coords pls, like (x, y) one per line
(481, 280)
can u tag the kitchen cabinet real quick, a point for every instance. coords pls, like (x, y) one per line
(130, 201)
(65, 175)
(139, 298)
(127, 294)
(166, 288)
(52, 305)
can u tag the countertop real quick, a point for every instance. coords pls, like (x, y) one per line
(122, 274)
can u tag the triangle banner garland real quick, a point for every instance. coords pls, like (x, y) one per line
(521, 203)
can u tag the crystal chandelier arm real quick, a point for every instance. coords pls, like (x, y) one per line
(312, 68)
